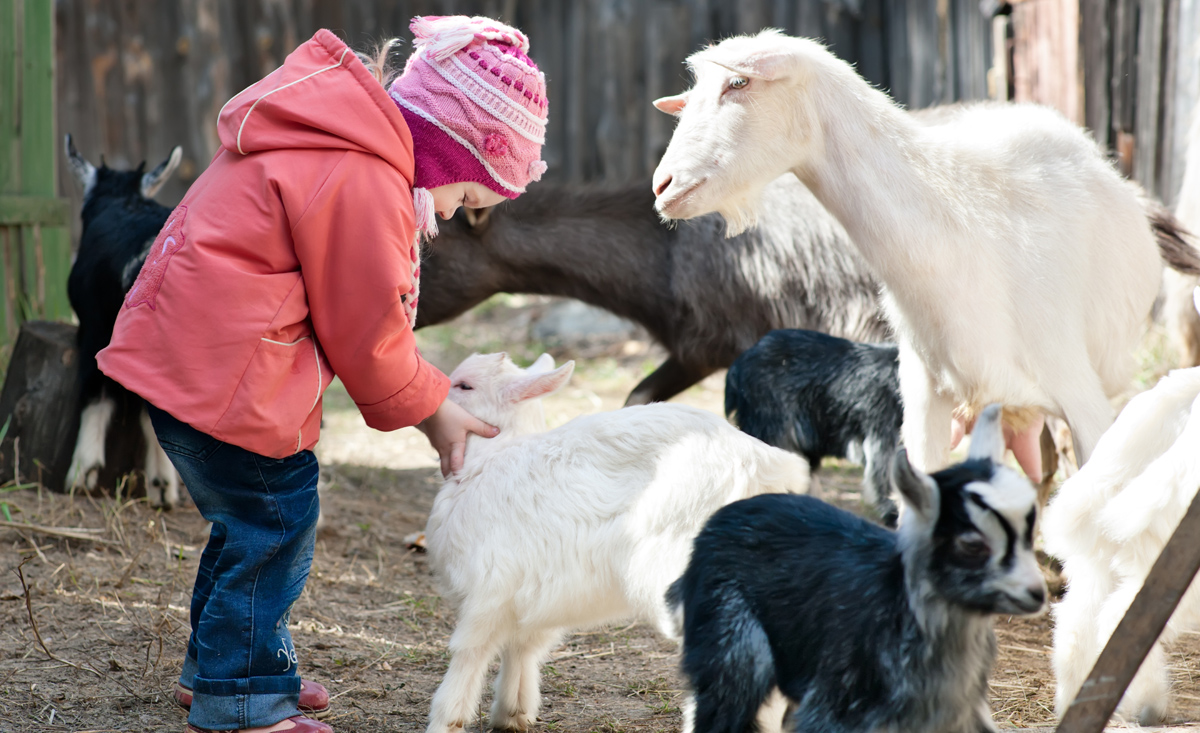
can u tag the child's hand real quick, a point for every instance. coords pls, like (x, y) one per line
(447, 431)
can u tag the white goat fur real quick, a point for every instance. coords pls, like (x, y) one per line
(544, 532)
(1018, 266)
(1109, 522)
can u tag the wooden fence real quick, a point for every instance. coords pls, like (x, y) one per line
(1131, 74)
(137, 78)
(34, 251)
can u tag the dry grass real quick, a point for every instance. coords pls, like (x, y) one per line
(106, 582)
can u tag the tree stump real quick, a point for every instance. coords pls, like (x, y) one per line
(39, 400)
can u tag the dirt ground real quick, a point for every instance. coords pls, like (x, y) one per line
(109, 602)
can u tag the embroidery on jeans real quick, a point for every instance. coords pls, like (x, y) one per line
(288, 654)
(154, 269)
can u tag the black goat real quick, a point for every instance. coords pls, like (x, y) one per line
(859, 628)
(820, 395)
(704, 297)
(120, 222)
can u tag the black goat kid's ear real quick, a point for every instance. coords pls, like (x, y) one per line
(83, 171)
(155, 179)
(987, 439)
(918, 490)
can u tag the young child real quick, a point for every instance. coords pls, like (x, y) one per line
(292, 259)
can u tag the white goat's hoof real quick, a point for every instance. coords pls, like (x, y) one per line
(162, 494)
(517, 721)
(1151, 716)
(80, 478)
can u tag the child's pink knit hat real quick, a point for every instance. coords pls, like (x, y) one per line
(475, 104)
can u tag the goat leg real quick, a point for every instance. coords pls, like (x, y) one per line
(672, 377)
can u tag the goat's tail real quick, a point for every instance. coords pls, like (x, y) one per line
(674, 600)
(1176, 245)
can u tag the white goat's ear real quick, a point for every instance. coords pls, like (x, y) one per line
(541, 365)
(1196, 299)
(540, 384)
(919, 491)
(987, 439)
(83, 171)
(155, 179)
(671, 105)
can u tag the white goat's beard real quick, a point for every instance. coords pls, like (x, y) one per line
(740, 216)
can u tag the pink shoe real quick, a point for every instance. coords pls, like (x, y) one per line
(301, 724)
(314, 699)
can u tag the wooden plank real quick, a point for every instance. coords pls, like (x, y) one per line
(45, 210)
(10, 153)
(1134, 636)
(1095, 46)
(1148, 95)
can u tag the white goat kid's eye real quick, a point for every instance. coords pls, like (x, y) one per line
(464, 386)
(738, 82)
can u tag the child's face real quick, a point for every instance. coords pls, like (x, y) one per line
(447, 199)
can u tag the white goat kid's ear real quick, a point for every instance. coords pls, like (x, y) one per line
(155, 179)
(919, 491)
(83, 171)
(541, 365)
(536, 385)
(987, 439)
(1196, 299)
(671, 105)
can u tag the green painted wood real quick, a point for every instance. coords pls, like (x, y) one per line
(47, 248)
(44, 210)
(36, 249)
(9, 152)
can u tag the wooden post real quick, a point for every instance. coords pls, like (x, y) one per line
(39, 396)
(1145, 620)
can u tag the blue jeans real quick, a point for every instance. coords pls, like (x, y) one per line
(241, 664)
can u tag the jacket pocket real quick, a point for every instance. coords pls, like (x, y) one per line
(281, 386)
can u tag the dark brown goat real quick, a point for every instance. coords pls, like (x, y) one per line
(704, 297)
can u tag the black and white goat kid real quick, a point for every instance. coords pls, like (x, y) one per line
(855, 627)
(820, 395)
(120, 222)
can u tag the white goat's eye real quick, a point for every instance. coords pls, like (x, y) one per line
(464, 386)
(738, 82)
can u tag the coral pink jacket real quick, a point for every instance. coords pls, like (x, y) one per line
(286, 263)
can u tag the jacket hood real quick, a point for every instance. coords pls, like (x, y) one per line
(322, 97)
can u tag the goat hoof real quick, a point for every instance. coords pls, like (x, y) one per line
(91, 478)
(513, 722)
(1151, 715)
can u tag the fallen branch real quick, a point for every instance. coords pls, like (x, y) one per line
(70, 533)
(33, 623)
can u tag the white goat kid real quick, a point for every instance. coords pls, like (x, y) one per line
(544, 532)
(1018, 267)
(1109, 522)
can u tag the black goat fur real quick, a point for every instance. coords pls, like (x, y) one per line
(820, 395)
(706, 298)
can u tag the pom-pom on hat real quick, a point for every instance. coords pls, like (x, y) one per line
(475, 104)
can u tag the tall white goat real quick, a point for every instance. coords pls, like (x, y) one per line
(544, 532)
(1109, 522)
(1018, 267)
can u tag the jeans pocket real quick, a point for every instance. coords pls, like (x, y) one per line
(180, 439)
